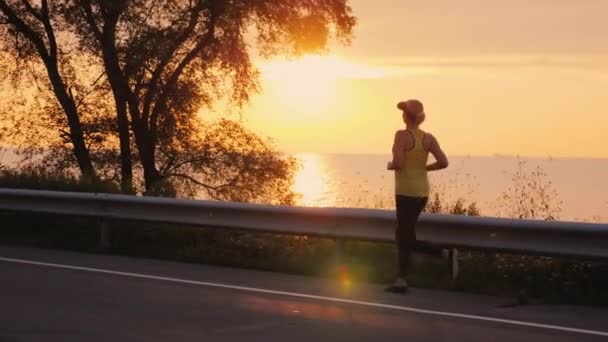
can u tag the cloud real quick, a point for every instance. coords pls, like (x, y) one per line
(329, 67)
(397, 67)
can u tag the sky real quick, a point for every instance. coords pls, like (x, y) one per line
(514, 77)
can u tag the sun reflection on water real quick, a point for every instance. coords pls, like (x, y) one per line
(310, 181)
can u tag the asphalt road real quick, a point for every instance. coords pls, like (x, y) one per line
(63, 296)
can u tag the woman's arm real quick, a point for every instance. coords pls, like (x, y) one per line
(398, 148)
(440, 157)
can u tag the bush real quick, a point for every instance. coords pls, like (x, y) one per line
(545, 279)
(41, 180)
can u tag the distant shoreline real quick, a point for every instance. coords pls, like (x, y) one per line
(495, 156)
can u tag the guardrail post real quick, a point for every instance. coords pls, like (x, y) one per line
(104, 236)
(454, 265)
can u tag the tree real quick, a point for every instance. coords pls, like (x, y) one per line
(37, 129)
(227, 162)
(154, 50)
(32, 30)
(162, 61)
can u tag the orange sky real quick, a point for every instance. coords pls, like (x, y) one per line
(512, 77)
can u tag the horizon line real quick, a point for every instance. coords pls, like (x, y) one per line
(458, 155)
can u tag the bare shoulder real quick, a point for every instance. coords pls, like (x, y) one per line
(429, 135)
(429, 139)
(400, 134)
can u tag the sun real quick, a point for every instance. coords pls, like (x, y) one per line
(312, 89)
(308, 83)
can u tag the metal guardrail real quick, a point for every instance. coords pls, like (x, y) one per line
(550, 238)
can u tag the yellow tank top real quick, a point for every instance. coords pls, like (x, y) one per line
(412, 180)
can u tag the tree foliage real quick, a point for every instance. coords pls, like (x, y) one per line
(137, 73)
(29, 32)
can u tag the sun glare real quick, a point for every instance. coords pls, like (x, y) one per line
(311, 83)
(306, 83)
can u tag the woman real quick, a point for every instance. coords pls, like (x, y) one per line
(411, 149)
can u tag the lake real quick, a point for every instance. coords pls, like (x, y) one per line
(351, 180)
(341, 180)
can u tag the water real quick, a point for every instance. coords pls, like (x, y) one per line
(335, 180)
(347, 180)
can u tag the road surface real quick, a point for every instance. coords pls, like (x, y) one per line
(49, 295)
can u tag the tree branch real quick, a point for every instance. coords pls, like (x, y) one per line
(21, 26)
(44, 18)
(87, 9)
(172, 81)
(194, 16)
(46, 21)
(32, 10)
(91, 91)
(168, 167)
(193, 180)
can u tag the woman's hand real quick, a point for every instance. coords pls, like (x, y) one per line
(389, 166)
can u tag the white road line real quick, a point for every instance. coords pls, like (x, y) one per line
(308, 296)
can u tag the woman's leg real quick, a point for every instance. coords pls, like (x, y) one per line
(407, 215)
(421, 246)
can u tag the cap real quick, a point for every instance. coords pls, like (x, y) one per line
(412, 107)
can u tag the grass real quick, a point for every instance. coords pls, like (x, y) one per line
(41, 180)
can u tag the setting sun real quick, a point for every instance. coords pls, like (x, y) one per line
(311, 85)
(307, 82)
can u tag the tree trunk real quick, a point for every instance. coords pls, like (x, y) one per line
(80, 149)
(126, 163)
(117, 84)
(152, 177)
